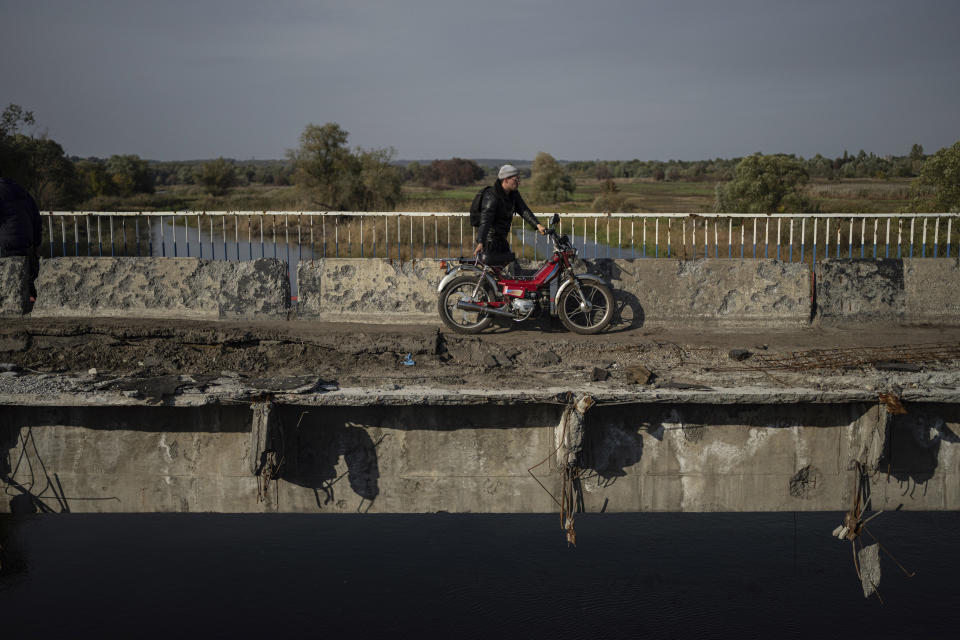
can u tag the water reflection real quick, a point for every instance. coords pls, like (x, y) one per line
(473, 576)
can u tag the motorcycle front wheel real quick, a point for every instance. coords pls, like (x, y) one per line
(460, 320)
(588, 313)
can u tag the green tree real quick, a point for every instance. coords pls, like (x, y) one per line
(217, 177)
(414, 172)
(12, 121)
(46, 172)
(130, 174)
(380, 182)
(323, 166)
(93, 175)
(329, 176)
(916, 158)
(37, 163)
(938, 184)
(550, 183)
(765, 184)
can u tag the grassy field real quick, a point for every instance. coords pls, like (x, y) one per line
(632, 196)
(638, 196)
(647, 196)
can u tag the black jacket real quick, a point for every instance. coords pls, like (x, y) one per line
(496, 214)
(19, 220)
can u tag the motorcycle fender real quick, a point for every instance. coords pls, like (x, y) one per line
(586, 276)
(457, 271)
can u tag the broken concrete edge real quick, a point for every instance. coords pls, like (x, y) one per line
(365, 396)
(14, 286)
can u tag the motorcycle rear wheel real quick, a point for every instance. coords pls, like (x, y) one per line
(460, 320)
(588, 314)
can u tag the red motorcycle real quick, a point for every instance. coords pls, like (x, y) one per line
(473, 292)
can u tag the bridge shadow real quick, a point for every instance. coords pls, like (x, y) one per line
(32, 488)
(629, 312)
(912, 450)
(312, 450)
(612, 444)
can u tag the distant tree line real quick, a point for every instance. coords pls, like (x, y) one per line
(329, 175)
(861, 165)
(444, 173)
(277, 173)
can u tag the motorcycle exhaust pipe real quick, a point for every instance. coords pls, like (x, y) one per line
(496, 311)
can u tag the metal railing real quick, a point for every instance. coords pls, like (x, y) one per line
(295, 236)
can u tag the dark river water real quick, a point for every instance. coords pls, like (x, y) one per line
(776, 575)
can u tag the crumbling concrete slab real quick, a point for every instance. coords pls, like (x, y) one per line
(252, 289)
(369, 290)
(860, 290)
(187, 288)
(14, 286)
(900, 291)
(932, 291)
(715, 292)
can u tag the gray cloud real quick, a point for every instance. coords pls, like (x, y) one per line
(658, 79)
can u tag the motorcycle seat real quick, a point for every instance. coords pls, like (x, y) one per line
(497, 259)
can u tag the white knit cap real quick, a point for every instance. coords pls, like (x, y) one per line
(507, 171)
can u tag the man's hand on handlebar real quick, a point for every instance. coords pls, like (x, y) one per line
(542, 229)
(479, 248)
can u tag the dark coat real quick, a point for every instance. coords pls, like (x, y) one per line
(20, 230)
(496, 215)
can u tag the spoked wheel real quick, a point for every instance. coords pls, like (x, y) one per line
(589, 313)
(461, 320)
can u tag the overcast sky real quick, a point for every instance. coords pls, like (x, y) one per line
(682, 79)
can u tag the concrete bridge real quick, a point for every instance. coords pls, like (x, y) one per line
(148, 384)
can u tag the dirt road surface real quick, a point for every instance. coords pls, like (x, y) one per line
(378, 357)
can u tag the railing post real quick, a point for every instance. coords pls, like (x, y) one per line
(949, 225)
(729, 237)
(814, 262)
(912, 222)
(923, 245)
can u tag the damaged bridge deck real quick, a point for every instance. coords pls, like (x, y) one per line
(125, 416)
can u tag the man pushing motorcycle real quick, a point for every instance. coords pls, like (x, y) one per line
(497, 207)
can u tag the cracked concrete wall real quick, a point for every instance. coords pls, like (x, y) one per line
(14, 286)
(932, 290)
(187, 288)
(705, 292)
(415, 459)
(901, 291)
(860, 290)
(716, 292)
(369, 290)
